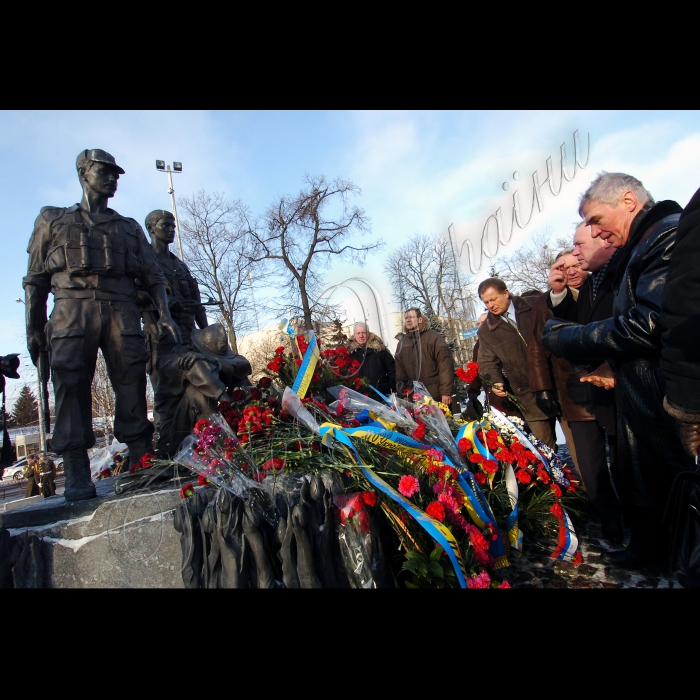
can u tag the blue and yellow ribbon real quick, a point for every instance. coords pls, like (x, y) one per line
(514, 534)
(437, 531)
(307, 368)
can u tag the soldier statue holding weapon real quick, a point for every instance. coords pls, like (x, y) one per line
(90, 257)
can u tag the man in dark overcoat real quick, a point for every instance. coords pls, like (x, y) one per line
(377, 365)
(680, 353)
(590, 410)
(618, 208)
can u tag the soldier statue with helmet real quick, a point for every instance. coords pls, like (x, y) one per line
(90, 258)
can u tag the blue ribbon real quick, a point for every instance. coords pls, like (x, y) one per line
(431, 526)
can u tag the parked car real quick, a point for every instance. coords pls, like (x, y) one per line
(15, 471)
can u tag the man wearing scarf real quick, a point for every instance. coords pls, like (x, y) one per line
(627, 347)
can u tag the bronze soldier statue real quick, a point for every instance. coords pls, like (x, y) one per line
(90, 257)
(184, 300)
(193, 380)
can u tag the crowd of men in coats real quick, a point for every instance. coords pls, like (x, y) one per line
(611, 350)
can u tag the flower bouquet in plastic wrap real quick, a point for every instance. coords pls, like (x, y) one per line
(355, 537)
(432, 423)
(214, 452)
(350, 402)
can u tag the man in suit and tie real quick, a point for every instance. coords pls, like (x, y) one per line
(503, 353)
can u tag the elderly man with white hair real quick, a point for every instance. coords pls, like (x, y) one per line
(627, 347)
(376, 362)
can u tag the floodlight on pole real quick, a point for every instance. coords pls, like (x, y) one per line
(177, 168)
(42, 404)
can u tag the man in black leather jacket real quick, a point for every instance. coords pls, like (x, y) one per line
(680, 357)
(619, 209)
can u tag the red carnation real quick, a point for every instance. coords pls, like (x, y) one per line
(369, 498)
(523, 476)
(464, 446)
(274, 463)
(480, 478)
(280, 350)
(543, 476)
(476, 458)
(297, 363)
(202, 480)
(556, 511)
(187, 490)
(419, 432)
(490, 466)
(265, 382)
(436, 510)
(408, 485)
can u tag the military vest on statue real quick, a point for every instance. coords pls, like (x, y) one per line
(82, 255)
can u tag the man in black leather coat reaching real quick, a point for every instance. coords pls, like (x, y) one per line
(627, 346)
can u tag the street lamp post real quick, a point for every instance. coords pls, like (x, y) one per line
(40, 401)
(177, 168)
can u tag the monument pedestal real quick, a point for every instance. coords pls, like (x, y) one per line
(111, 541)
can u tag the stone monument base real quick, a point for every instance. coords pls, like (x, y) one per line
(111, 541)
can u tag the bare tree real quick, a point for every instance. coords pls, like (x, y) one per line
(103, 399)
(528, 267)
(424, 273)
(259, 349)
(302, 234)
(223, 255)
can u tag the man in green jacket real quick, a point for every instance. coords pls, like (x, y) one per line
(423, 355)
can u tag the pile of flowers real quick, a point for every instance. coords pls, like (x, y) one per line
(437, 476)
(334, 367)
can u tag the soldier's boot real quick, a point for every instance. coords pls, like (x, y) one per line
(138, 448)
(79, 486)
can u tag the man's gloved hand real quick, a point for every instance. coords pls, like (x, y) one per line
(690, 437)
(550, 334)
(547, 403)
(474, 408)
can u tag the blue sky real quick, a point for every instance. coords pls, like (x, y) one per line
(418, 171)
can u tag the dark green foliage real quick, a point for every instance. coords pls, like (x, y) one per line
(26, 409)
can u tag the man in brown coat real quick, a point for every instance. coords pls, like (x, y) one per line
(503, 352)
(423, 355)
